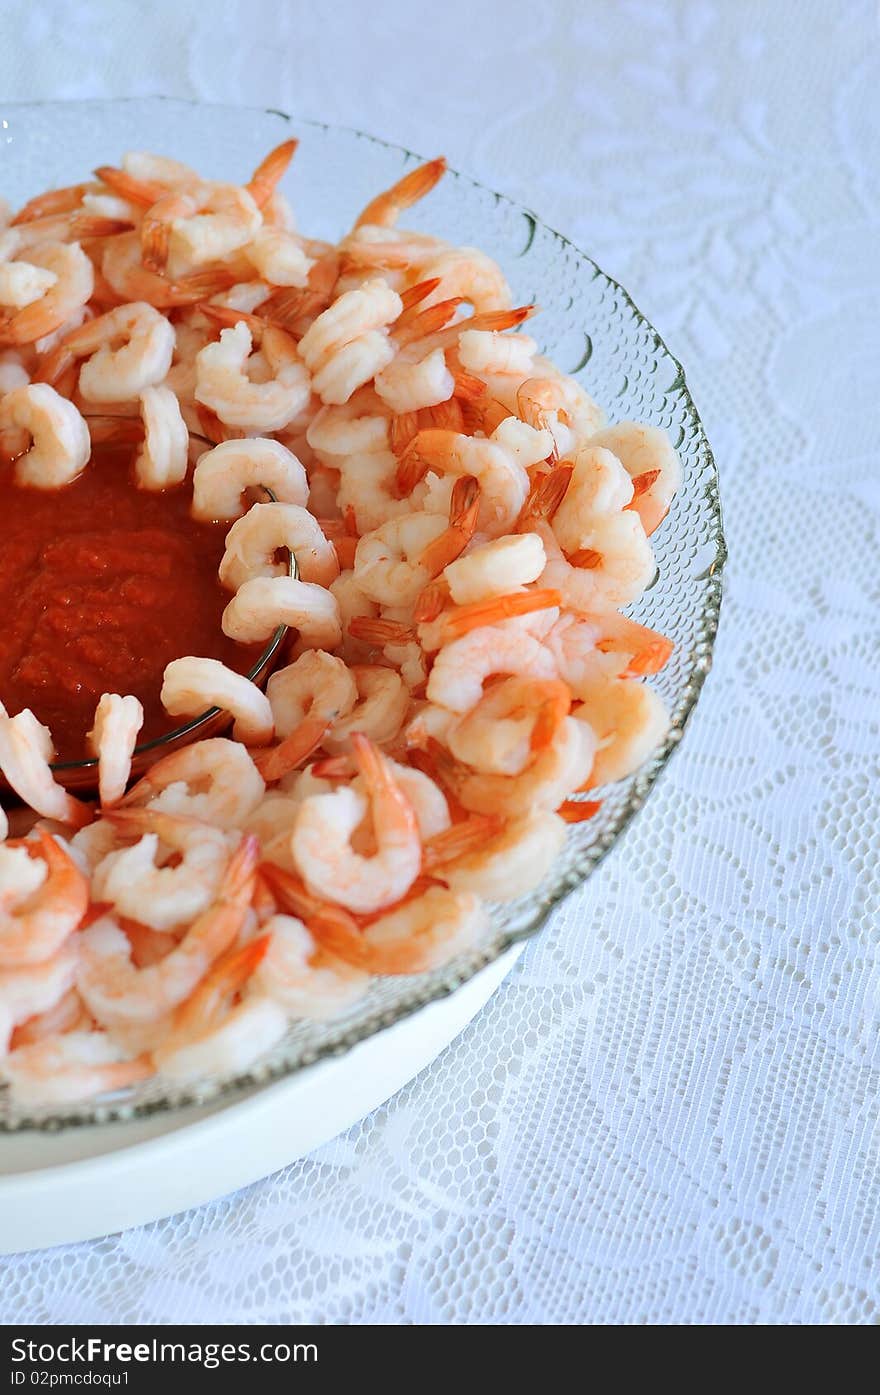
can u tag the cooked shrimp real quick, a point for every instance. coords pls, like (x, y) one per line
(262, 604)
(305, 979)
(321, 839)
(560, 405)
(71, 289)
(371, 307)
(34, 929)
(214, 781)
(424, 933)
(429, 803)
(253, 541)
(20, 874)
(68, 1014)
(526, 445)
(223, 474)
(612, 570)
(279, 257)
(21, 283)
(134, 880)
(561, 766)
(357, 427)
(25, 752)
(223, 384)
(598, 648)
(513, 719)
(32, 989)
(484, 351)
(162, 459)
(348, 345)
(368, 487)
(126, 350)
(406, 386)
(379, 713)
(649, 457)
(511, 862)
(193, 227)
(75, 1066)
(61, 445)
(469, 273)
(629, 720)
(386, 563)
(462, 667)
(316, 685)
(13, 373)
(504, 484)
(124, 273)
(118, 993)
(495, 568)
(207, 1035)
(112, 739)
(191, 685)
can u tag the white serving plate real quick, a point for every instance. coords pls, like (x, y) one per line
(56, 1188)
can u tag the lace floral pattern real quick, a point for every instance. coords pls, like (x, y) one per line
(669, 1112)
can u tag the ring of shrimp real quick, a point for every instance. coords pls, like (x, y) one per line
(191, 686)
(61, 444)
(224, 474)
(253, 541)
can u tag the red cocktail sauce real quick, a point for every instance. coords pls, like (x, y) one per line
(101, 585)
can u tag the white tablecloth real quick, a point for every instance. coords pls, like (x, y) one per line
(669, 1112)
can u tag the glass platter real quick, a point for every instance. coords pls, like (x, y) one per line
(588, 325)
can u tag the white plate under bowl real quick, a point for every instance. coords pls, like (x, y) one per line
(91, 1181)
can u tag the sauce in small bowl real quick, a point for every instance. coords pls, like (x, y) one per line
(102, 584)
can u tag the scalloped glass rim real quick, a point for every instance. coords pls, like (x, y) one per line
(629, 797)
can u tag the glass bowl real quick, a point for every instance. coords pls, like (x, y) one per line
(588, 325)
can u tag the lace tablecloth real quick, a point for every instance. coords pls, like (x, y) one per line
(669, 1111)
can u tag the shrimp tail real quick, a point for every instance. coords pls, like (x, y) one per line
(464, 509)
(385, 209)
(265, 178)
(277, 761)
(465, 618)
